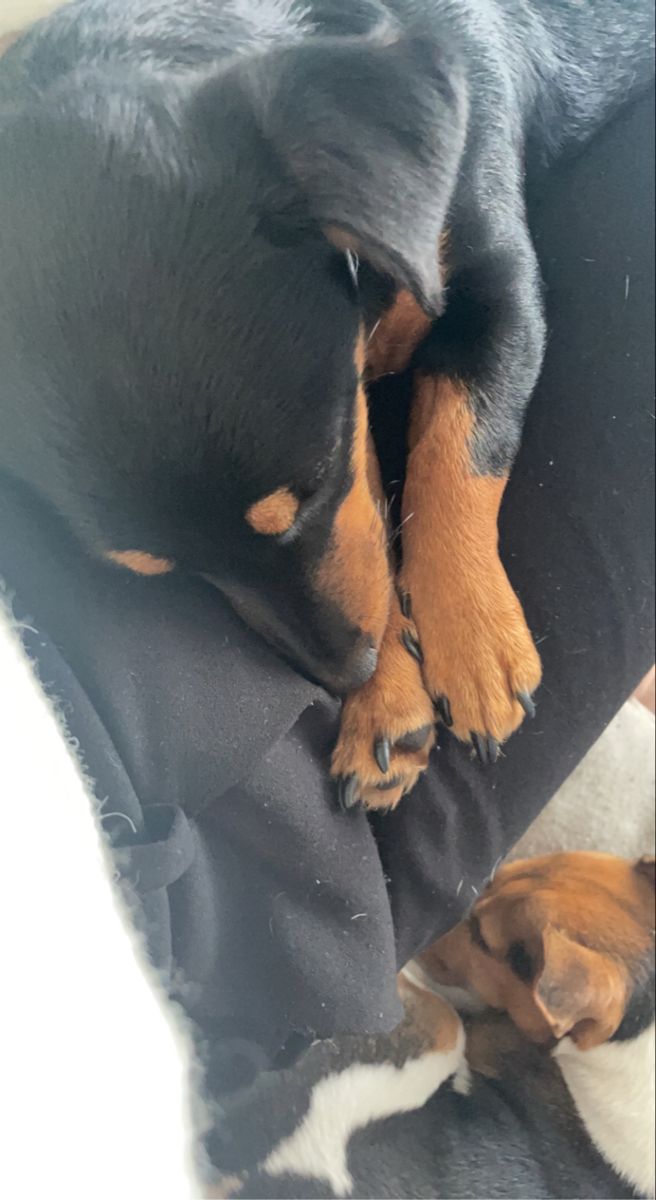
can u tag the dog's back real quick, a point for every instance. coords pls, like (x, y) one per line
(567, 63)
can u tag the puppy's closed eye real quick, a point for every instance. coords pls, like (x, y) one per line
(476, 935)
(521, 962)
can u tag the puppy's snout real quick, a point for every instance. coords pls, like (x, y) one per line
(362, 664)
(358, 667)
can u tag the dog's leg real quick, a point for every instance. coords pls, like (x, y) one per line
(480, 664)
(386, 732)
(387, 728)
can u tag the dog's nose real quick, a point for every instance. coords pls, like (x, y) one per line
(358, 667)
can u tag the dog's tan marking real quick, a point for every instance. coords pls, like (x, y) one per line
(396, 336)
(430, 1016)
(583, 925)
(274, 514)
(354, 573)
(477, 648)
(401, 328)
(140, 562)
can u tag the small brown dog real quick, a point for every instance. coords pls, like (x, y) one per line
(551, 1095)
(564, 945)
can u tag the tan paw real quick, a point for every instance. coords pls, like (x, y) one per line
(480, 664)
(387, 727)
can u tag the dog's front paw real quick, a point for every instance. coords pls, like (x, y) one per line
(387, 727)
(480, 664)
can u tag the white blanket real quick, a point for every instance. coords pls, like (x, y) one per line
(608, 802)
(94, 1064)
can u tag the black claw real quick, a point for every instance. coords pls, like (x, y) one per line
(388, 785)
(444, 709)
(406, 604)
(493, 749)
(527, 704)
(382, 754)
(480, 746)
(415, 740)
(348, 793)
(412, 645)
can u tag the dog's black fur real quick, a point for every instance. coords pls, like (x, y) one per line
(177, 334)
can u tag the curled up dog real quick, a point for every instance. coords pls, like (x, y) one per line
(218, 223)
(543, 1088)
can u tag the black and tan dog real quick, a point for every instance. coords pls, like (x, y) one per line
(217, 220)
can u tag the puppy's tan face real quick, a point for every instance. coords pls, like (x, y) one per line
(556, 942)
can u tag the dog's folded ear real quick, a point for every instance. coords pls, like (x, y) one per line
(579, 991)
(368, 133)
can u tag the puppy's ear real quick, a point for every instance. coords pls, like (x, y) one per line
(368, 132)
(579, 991)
